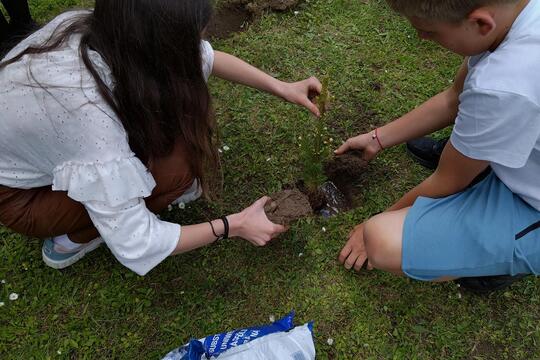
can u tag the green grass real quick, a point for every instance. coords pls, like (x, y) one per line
(98, 309)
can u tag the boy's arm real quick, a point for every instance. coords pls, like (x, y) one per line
(231, 68)
(454, 173)
(437, 113)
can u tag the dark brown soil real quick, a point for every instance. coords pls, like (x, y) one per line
(316, 197)
(228, 20)
(347, 167)
(288, 206)
(345, 171)
(258, 6)
(236, 15)
(332, 197)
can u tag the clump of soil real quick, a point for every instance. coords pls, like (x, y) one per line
(287, 206)
(347, 167)
(344, 171)
(236, 15)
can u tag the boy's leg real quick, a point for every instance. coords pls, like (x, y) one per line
(383, 240)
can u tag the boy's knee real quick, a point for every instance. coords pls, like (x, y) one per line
(380, 246)
(375, 246)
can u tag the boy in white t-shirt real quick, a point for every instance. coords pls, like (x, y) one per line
(444, 228)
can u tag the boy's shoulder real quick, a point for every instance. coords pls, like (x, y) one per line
(513, 69)
(513, 66)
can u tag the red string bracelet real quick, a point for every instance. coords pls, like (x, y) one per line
(376, 136)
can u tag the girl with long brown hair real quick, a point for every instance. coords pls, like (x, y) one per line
(106, 121)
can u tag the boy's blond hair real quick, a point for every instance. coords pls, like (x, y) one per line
(441, 10)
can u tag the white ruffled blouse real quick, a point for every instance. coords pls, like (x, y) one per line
(67, 136)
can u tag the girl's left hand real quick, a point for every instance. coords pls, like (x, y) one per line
(302, 93)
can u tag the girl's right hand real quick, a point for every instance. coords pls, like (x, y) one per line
(364, 143)
(253, 225)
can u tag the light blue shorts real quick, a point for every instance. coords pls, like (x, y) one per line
(485, 230)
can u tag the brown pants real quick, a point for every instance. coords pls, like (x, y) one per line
(41, 212)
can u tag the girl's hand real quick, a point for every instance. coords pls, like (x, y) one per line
(365, 143)
(253, 225)
(302, 92)
(353, 254)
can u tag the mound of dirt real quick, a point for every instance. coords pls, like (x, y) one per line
(258, 6)
(345, 168)
(345, 171)
(287, 206)
(228, 20)
(235, 15)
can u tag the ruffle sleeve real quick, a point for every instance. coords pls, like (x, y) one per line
(113, 182)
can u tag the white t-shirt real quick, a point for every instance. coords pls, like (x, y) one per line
(499, 112)
(68, 137)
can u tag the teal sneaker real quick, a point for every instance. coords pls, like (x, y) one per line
(61, 260)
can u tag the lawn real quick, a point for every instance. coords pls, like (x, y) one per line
(98, 309)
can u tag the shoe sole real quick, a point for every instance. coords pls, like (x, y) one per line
(58, 265)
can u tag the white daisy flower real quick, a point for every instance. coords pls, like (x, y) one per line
(13, 296)
(3, 281)
(272, 318)
(330, 341)
(226, 148)
(181, 206)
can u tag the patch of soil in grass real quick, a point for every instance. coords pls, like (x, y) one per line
(485, 349)
(258, 6)
(235, 15)
(332, 197)
(227, 20)
(344, 171)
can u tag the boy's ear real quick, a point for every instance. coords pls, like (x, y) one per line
(483, 20)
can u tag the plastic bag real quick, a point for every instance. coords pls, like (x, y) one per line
(296, 344)
(213, 346)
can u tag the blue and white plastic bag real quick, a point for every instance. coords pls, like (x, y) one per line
(298, 343)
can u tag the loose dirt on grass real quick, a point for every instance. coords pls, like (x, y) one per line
(235, 15)
(337, 195)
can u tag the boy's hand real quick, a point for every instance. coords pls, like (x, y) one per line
(302, 93)
(365, 143)
(353, 254)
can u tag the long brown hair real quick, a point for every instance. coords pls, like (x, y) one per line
(153, 49)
